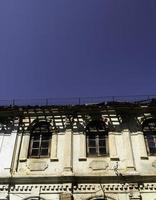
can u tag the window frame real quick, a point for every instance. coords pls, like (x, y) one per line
(94, 133)
(44, 131)
(149, 132)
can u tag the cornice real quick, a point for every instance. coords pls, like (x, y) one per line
(78, 179)
(79, 188)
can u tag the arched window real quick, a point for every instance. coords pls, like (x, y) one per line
(40, 140)
(97, 138)
(149, 130)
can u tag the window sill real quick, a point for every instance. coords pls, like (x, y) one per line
(144, 158)
(54, 159)
(97, 156)
(82, 159)
(23, 159)
(114, 159)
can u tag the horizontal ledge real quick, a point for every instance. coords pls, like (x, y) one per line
(23, 159)
(54, 159)
(131, 168)
(115, 158)
(69, 177)
(82, 159)
(144, 157)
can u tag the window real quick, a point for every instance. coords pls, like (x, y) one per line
(149, 130)
(40, 140)
(97, 138)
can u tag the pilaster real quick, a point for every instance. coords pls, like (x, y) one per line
(82, 150)
(16, 152)
(54, 142)
(128, 149)
(68, 151)
(112, 146)
(142, 146)
(24, 147)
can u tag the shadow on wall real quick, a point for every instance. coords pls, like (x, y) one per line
(34, 198)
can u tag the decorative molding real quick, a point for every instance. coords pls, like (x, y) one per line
(37, 165)
(98, 165)
(80, 188)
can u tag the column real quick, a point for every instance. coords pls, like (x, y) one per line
(54, 142)
(24, 147)
(128, 149)
(112, 146)
(142, 146)
(82, 155)
(16, 152)
(68, 150)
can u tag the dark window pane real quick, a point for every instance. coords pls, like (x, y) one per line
(44, 152)
(151, 145)
(102, 150)
(92, 136)
(101, 142)
(36, 137)
(45, 136)
(35, 152)
(151, 141)
(92, 151)
(36, 144)
(149, 125)
(152, 125)
(92, 143)
(102, 136)
(45, 144)
(152, 150)
(149, 135)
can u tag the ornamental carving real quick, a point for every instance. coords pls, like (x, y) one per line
(37, 165)
(98, 165)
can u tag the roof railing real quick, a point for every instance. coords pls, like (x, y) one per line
(76, 100)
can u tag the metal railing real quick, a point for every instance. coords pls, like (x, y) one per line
(75, 100)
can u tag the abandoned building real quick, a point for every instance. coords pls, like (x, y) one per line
(97, 151)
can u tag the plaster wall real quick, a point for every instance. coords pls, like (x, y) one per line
(105, 165)
(7, 144)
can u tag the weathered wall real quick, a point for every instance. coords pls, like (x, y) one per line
(126, 173)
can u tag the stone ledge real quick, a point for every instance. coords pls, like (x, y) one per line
(82, 159)
(54, 159)
(23, 159)
(144, 158)
(114, 158)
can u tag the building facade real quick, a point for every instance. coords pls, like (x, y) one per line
(104, 151)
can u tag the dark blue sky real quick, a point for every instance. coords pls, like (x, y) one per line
(66, 48)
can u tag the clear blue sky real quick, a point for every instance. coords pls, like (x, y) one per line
(68, 48)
